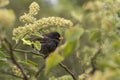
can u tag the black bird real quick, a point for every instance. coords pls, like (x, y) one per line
(49, 42)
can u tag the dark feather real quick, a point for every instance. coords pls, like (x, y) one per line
(49, 42)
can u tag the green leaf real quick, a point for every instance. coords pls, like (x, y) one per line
(117, 59)
(3, 62)
(26, 42)
(53, 60)
(3, 59)
(69, 48)
(116, 44)
(37, 45)
(74, 33)
(2, 54)
(28, 63)
(95, 36)
(72, 36)
(32, 63)
(31, 66)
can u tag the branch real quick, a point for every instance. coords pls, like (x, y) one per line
(93, 59)
(8, 73)
(17, 44)
(33, 52)
(93, 62)
(68, 71)
(14, 60)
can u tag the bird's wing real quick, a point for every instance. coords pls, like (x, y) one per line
(41, 40)
(48, 47)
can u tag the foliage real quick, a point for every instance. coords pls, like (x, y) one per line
(33, 26)
(101, 21)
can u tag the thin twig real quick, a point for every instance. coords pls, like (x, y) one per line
(14, 60)
(17, 44)
(68, 70)
(24, 51)
(8, 73)
(93, 62)
(35, 53)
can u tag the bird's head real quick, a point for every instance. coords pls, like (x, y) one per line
(54, 35)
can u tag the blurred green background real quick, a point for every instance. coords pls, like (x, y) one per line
(97, 49)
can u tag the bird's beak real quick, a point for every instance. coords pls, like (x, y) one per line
(61, 38)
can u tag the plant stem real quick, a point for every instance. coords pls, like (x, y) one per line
(68, 70)
(14, 60)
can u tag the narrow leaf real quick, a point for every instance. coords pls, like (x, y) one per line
(74, 33)
(69, 48)
(2, 54)
(26, 42)
(95, 36)
(28, 63)
(37, 45)
(53, 60)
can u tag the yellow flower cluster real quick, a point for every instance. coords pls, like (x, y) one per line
(27, 18)
(23, 30)
(16, 71)
(54, 21)
(34, 8)
(38, 25)
(33, 26)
